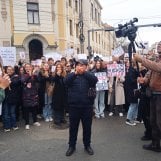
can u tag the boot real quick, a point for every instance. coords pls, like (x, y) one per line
(153, 147)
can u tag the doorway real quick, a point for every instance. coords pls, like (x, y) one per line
(35, 49)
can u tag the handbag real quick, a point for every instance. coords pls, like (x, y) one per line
(50, 89)
(92, 92)
(148, 92)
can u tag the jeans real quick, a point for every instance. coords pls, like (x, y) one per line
(47, 110)
(9, 115)
(99, 103)
(132, 112)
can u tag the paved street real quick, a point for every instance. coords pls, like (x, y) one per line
(112, 140)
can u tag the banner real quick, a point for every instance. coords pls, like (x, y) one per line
(8, 55)
(114, 70)
(102, 83)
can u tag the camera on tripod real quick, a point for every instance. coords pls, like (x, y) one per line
(129, 29)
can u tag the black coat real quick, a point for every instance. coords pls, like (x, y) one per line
(13, 92)
(78, 86)
(130, 84)
(42, 87)
(29, 95)
(59, 93)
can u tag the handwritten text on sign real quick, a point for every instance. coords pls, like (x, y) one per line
(8, 55)
(116, 70)
(102, 81)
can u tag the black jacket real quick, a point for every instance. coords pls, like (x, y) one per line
(13, 92)
(130, 85)
(59, 93)
(78, 86)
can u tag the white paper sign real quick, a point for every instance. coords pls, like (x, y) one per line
(82, 56)
(8, 55)
(118, 51)
(53, 68)
(102, 83)
(114, 70)
(22, 55)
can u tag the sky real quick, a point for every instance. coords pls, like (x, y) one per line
(116, 12)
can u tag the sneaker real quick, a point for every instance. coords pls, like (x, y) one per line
(47, 120)
(27, 127)
(110, 114)
(36, 124)
(39, 116)
(97, 116)
(7, 130)
(15, 128)
(50, 119)
(102, 116)
(137, 122)
(128, 122)
(121, 114)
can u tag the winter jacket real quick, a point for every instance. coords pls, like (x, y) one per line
(13, 92)
(29, 95)
(78, 86)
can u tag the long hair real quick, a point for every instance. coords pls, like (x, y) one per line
(42, 70)
(63, 74)
(101, 64)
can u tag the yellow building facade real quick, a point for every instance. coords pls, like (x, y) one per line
(38, 27)
(5, 24)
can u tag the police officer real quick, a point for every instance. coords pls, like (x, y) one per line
(80, 105)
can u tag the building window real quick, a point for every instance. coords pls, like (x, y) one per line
(93, 36)
(99, 20)
(33, 13)
(81, 6)
(77, 30)
(92, 11)
(77, 50)
(71, 27)
(96, 37)
(99, 39)
(76, 5)
(96, 15)
(70, 3)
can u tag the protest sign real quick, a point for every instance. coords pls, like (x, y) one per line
(118, 51)
(22, 55)
(8, 55)
(115, 70)
(102, 83)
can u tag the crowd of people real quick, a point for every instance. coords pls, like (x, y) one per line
(57, 89)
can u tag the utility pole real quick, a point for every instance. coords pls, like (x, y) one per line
(81, 24)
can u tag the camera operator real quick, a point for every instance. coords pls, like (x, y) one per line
(154, 82)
